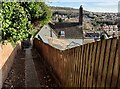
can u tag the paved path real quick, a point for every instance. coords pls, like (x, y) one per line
(28, 70)
(31, 79)
(44, 75)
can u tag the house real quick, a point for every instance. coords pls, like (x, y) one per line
(44, 33)
(63, 35)
(71, 30)
(49, 36)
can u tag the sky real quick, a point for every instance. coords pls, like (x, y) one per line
(89, 5)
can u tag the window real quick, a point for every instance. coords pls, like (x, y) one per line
(62, 33)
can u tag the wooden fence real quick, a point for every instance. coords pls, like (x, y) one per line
(91, 65)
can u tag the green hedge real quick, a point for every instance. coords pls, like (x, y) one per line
(17, 19)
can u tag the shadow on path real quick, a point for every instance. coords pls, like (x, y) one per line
(35, 73)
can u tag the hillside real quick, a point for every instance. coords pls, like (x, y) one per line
(66, 11)
(73, 11)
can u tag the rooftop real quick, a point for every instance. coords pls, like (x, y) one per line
(72, 30)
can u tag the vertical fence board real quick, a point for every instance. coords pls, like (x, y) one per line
(78, 51)
(81, 66)
(118, 80)
(89, 66)
(76, 59)
(96, 63)
(69, 71)
(100, 68)
(118, 56)
(93, 63)
(69, 75)
(75, 67)
(115, 70)
(79, 63)
(112, 56)
(107, 54)
(86, 67)
(84, 64)
(72, 67)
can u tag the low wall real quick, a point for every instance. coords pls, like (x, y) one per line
(7, 56)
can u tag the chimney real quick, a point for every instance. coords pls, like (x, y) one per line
(81, 15)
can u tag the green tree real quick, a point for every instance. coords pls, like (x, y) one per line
(103, 36)
(15, 24)
(37, 11)
(17, 19)
(60, 20)
(0, 21)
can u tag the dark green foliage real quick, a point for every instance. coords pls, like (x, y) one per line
(15, 24)
(103, 37)
(17, 19)
(60, 20)
(106, 22)
(37, 11)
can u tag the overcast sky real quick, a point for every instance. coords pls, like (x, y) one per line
(90, 5)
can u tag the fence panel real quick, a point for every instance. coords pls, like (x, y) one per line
(101, 59)
(90, 65)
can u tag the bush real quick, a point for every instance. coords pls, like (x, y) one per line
(15, 24)
(60, 20)
(37, 11)
(103, 37)
(17, 19)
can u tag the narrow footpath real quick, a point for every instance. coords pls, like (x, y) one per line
(29, 71)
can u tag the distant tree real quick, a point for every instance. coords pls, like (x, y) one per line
(106, 22)
(94, 24)
(68, 16)
(60, 19)
(103, 37)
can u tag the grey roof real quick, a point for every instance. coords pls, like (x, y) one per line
(44, 33)
(72, 30)
(92, 35)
